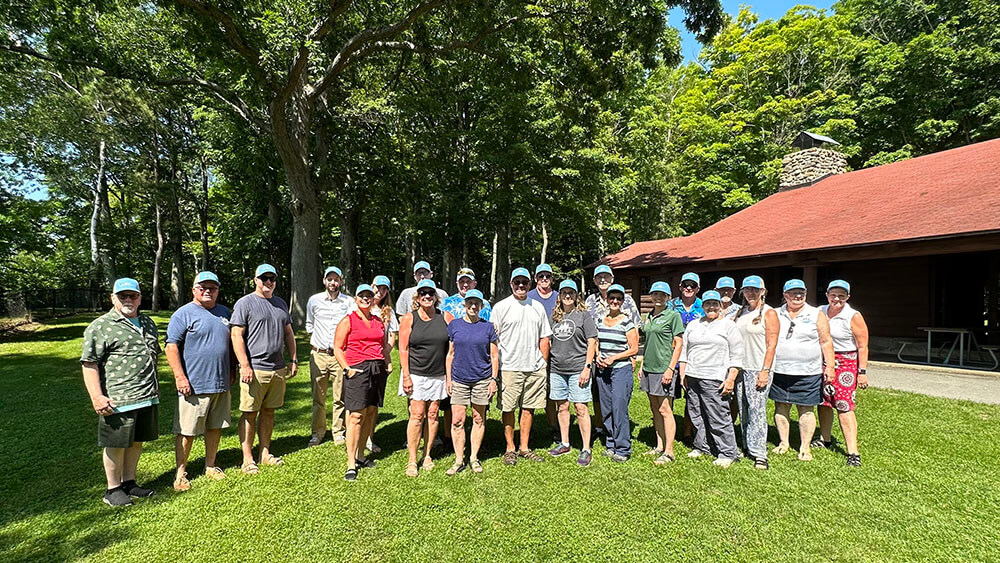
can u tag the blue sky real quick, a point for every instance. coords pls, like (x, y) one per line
(772, 9)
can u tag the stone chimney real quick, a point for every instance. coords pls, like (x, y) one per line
(806, 167)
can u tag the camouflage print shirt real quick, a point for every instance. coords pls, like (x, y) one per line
(126, 359)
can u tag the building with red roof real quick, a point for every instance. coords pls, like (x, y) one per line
(919, 241)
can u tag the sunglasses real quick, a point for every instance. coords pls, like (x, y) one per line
(543, 277)
(689, 285)
(791, 327)
(268, 279)
(615, 298)
(520, 282)
(426, 293)
(127, 296)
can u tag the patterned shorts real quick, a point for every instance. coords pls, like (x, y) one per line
(841, 392)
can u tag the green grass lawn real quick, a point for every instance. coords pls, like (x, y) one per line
(929, 488)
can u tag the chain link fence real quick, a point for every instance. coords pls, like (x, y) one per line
(22, 307)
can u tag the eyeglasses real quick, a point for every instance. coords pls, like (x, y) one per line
(791, 327)
(543, 276)
(268, 279)
(127, 296)
(201, 289)
(689, 285)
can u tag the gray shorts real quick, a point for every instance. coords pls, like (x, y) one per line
(652, 383)
(478, 393)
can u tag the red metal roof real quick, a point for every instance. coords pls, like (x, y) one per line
(948, 193)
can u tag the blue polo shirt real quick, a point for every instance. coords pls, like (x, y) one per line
(687, 316)
(202, 335)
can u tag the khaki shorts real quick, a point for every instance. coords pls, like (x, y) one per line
(265, 391)
(522, 389)
(477, 393)
(197, 413)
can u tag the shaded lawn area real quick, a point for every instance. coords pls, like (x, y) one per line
(929, 488)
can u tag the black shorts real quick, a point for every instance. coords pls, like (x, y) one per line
(122, 429)
(367, 387)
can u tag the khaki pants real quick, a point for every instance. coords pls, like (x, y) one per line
(324, 372)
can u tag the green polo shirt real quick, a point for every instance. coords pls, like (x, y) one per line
(126, 359)
(660, 331)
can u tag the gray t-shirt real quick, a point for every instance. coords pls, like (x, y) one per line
(265, 321)
(570, 337)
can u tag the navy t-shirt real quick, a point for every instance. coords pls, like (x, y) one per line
(471, 363)
(203, 338)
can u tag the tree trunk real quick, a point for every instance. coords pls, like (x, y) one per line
(203, 215)
(493, 266)
(100, 261)
(545, 243)
(500, 287)
(158, 257)
(350, 230)
(176, 243)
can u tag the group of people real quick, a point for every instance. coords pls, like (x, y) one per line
(543, 347)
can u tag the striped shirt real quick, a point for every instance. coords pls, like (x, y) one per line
(614, 339)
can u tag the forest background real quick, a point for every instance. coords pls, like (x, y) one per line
(173, 136)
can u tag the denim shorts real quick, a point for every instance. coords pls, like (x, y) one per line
(567, 387)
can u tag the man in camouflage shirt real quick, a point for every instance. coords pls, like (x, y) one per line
(119, 369)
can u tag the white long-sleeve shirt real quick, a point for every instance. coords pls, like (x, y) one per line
(711, 348)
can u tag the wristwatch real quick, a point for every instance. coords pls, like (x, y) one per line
(862, 372)
(589, 365)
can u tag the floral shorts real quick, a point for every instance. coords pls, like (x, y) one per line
(841, 392)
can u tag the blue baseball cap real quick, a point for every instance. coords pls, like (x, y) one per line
(382, 280)
(660, 286)
(603, 269)
(753, 281)
(568, 284)
(543, 268)
(207, 276)
(520, 272)
(333, 269)
(711, 295)
(465, 273)
(725, 281)
(691, 276)
(126, 284)
(794, 284)
(265, 269)
(363, 288)
(422, 264)
(841, 284)
(616, 287)
(474, 294)
(426, 283)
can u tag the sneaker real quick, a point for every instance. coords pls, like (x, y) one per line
(135, 491)
(854, 460)
(619, 458)
(315, 441)
(351, 475)
(215, 473)
(116, 497)
(819, 443)
(607, 452)
(724, 462)
(695, 453)
(530, 455)
(181, 483)
(585, 458)
(561, 449)
(761, 464)
(510, 458)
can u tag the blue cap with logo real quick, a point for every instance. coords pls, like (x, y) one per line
(603, 269)
(474, 294)
(724, 282)
(753, 281)
(660, 286)
(794, 284)
(841, 284)
(421, 265)
(265, 269)
(711, 295)
(426, 283)
(568, 284)
(465, 273)
(333, 269)
(126, 284)
(691, 276)
(616, 287)
(543, 268)
(520, 273)
(363, 288)
(206, 276)
(382, 280)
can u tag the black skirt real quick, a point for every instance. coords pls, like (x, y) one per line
(367, 387)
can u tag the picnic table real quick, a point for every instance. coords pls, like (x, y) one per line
(963, 339)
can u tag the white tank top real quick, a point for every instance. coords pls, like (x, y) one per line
(798, 353)
(840, 329)
(754, 337)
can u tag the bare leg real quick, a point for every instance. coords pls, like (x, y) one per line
(248, 421)
(563, 416)
(114, 462)
(583, 421)
(432, 426)
(418, 411)
(212, 438)
(826, 423)
(807, 426)
(353, 435)
(527, 416)
(666, 413)
(508, 429)
(182, 451)
(849, 426)
(131, 461)
(368, 420)
(478, 429)
(655, 403)
(458, 431)
(781, 413)
(265, 428)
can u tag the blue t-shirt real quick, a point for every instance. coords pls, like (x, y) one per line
(455, 304)
(696, 311)
(203, 338)
(471, 363)
(549, 304)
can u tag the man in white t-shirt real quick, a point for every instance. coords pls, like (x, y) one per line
(523, 330)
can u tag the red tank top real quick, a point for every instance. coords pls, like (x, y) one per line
(364, 342)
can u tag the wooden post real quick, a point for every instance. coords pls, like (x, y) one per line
(813, 292)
